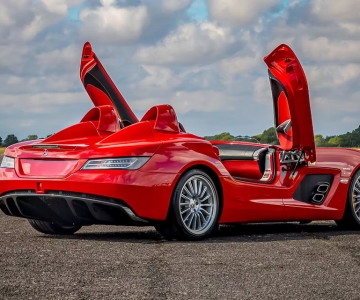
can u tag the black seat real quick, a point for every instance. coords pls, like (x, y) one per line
(237, 151)
(243, 152)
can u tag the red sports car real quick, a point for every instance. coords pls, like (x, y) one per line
(112, 168)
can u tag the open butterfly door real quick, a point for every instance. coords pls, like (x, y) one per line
(292, 112)
(101, 88)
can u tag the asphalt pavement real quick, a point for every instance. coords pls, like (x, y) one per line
(272, 261)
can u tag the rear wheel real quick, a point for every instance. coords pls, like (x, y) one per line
(351, 218)
(52, 227)
(194, 208)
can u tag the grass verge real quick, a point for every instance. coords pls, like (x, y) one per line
(2, 150)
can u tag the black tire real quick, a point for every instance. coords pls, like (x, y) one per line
(175, 227)
(52, 227)
(349, 220)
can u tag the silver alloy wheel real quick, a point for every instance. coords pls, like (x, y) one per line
(198, 204)
(356, 198)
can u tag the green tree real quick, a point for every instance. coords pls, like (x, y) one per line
(269, 136)
(31, 137)
(335, 141)
(225, 136)
(10, 139)
(320, 141)
(1, 141)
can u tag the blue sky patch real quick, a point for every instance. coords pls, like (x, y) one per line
(73, 12)
(198, 11)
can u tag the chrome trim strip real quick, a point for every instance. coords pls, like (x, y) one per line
(258, 152)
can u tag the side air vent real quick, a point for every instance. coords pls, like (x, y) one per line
(314, 188)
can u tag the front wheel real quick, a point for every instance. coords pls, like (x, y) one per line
(52, 227)
(194, 208)
(351, 217)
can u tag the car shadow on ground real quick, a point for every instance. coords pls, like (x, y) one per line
(226, 233)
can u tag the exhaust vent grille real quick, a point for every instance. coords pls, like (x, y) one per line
(314, 188)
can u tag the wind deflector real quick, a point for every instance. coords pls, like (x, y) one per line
(101, 88)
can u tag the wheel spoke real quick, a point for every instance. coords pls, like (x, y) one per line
(186, 189)
(185, 210)
(207, 197)
(188, 215)
(195, 187)
(203, 192)
(187, 198)
(357, 183)
(205, 211)
(199, 188)
(191, 219)
(191, 188)
(356, 189)
(202, 216)
(195, 221)
(206, 205)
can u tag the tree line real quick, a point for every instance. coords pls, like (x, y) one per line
(349, 139)
(12, 139)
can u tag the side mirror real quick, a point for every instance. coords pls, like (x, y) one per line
(284, 127)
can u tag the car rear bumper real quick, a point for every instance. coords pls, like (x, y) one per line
(69, 208)
(145, 195)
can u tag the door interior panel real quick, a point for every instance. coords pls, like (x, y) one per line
(243, 161)
(243, 169)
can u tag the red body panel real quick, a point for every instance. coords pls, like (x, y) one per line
(55, 163)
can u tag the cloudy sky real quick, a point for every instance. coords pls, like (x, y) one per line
(204, 57)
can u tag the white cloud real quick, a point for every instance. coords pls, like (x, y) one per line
(112, 24)
(170, 6)
(331, 76)
(66, 59)
(25, 19)
(350, 27)
(262, 92)
(190, 44)
(158, 79)
(184, 101)
(326, 49)
(41, 102)
(11, 57)
(335, 10)
(238, 12)
(245, 60)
